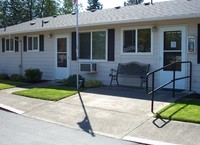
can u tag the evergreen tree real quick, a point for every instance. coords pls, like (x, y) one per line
(94, 4)
(17, 11)
(68, 7)
(133, 2)
(3, 13)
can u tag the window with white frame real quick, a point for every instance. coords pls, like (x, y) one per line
(9, 45)
(93, 45)
(137, 40)
(33, 43)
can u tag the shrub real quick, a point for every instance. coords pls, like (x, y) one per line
(93, 83)
(16, 77)
(4, 76)
(65, 82)
(33, 75)
(72, 81)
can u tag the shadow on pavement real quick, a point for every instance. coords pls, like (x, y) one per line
(85, 124)
(132, 92)
(159, 122)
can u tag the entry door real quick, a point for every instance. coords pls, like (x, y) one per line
(172, 46)
(62, 62)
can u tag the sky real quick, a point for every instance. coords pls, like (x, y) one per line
(112, 3)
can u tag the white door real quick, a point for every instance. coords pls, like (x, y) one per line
(172, 48)
(62, 62)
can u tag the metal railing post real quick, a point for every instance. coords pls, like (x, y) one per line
(152, 95)
(174, 72)
(190, 76)
(153, 90)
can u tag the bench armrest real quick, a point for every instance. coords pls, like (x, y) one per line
(113, 72)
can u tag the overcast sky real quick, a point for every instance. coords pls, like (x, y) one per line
(112, 3)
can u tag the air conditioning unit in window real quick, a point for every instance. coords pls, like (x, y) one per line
(88, 67)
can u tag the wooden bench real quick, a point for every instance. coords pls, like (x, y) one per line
(131, 69)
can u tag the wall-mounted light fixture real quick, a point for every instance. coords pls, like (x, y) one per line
(154, 28)
(50, 35)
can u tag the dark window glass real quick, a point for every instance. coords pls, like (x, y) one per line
(62, 45)
(170, 57)
(144, 40)
(29, 43)
(129, 41)
(35, 43)
(172, 40)
(7, 45)
(62, 59)
(85, 45)
(99, 45)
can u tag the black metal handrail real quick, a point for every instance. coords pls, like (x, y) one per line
(174, 79)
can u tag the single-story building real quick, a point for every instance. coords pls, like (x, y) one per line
(155, 34)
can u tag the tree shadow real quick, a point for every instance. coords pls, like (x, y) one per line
(85, 124)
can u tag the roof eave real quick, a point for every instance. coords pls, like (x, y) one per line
(108, 23)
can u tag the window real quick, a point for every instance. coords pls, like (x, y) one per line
(137, 41)
(61, 52)
(92, 45)
(9, 45)
(33, 43)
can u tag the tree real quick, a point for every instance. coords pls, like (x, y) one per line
(133, 2)
(94, 4)
(17, 11)
(68, 7)
(46, 8)
(3, 13)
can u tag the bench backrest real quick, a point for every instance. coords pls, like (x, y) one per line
(133, 68)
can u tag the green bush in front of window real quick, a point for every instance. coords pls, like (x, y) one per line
(93, 84)
(4, 76)
(16, 77)
(33, 75)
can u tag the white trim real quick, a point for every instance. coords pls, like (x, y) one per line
(183, 29)
(136, 28)
(64, 69)
(33, 50)
(9, 39)
(106, 46)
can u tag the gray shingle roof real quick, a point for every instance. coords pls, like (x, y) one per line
(138, 13)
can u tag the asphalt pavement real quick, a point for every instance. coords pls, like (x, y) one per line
(21, 130)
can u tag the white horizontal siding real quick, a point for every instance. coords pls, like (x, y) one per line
(44, 60)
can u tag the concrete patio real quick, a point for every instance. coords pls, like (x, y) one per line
(119, 112)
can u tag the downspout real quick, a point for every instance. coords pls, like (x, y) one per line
(21, 56)
(152, 2)
(21, 59)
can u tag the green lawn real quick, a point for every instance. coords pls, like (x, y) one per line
(185, 109)
(5, 84)
(52, 93)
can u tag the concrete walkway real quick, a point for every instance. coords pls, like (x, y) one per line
(119, 112)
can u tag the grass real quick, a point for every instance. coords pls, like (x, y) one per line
(52, 93)
(185, 109)
(5, 84)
